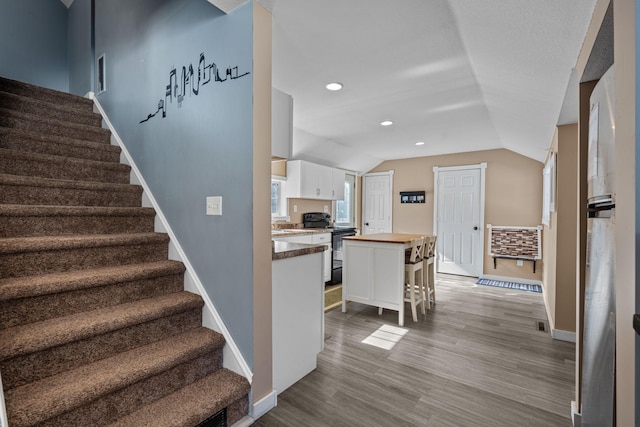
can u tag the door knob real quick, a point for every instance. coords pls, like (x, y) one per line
(366, 223)
(475, 228)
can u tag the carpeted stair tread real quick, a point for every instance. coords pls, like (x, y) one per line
(38, 336)
(18, 120)
(19, 180)
(49, 220)
(38, 401)
(30, 286)
(53, 210)
(19, 139)
(46, 94)
(16, 189)
(49, 243)
(48, 109)
(190, 405)
(15, 162)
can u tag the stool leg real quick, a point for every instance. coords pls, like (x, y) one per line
(421, 290)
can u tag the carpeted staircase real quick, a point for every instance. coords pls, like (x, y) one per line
(95, 327)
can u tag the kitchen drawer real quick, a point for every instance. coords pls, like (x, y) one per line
(305, 238)
(321, 238)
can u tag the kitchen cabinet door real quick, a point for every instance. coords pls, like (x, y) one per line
(325, 182)
(302, 180)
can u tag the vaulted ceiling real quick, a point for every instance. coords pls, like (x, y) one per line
(458, 75)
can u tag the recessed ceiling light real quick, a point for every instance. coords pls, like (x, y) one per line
(419, 143)
(334, 86)
(386, 123)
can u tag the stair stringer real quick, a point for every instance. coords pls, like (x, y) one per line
(232, 357)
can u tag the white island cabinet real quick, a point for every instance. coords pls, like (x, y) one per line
(297, 316)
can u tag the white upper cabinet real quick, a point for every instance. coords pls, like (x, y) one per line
(281, 124)
(306, 180)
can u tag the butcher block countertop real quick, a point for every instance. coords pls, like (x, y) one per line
(399, 238)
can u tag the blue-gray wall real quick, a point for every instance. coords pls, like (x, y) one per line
(202, 148)
(33, 42)
(80, 49)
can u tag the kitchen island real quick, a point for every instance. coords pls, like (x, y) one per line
(373, 270)
(297, 310)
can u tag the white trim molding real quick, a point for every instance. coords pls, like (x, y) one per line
(264, 405)
(232, 357)
(560, 335)
(227, 6)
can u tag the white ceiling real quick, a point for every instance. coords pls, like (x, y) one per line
(460, 75)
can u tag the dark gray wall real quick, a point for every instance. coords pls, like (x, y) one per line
(79, 42)
(201, 148)
(33, 42)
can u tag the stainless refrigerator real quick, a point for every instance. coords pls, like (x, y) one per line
(599, 339)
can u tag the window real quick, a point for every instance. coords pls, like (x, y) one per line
(345, 209)
(278, 200)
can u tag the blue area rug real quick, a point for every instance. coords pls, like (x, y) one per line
(510, 285)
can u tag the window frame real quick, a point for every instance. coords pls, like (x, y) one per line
(283, 208)
(352, 202)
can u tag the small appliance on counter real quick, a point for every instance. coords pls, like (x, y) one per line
(323, 220)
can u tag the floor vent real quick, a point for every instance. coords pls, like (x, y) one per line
(217, 420)
(541, 326)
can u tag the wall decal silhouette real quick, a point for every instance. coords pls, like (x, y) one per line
(191, 82)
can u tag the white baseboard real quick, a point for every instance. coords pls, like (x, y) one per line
(576, 417)
(232, 357)
(264, 405)
(511, 279)
(559, 334)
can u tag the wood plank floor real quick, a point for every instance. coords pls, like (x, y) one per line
(476, 360)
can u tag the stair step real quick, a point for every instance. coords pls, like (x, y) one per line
(44, 220)
(194, 403)
(44, 94)
(32, 256)
(34, 123)
(36, 298)
(48, 109)
(103, 391)
(24, 140)
(14, 162)
(15, 189)
(37, 350)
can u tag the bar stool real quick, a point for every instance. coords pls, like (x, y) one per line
(430, 267)
(414, 292)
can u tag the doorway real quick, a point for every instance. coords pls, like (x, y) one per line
(459, 219)
(376, 208)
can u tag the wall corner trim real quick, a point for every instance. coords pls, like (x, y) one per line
(211, 317)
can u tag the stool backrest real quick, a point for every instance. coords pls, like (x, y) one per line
(430, 243)
(417, 251)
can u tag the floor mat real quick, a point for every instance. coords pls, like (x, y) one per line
(510, 285)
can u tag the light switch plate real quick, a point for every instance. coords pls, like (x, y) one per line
(326, 208)
(520, 263)
(214, 205)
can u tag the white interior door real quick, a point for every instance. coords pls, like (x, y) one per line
(376, 206)
(460, 220)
